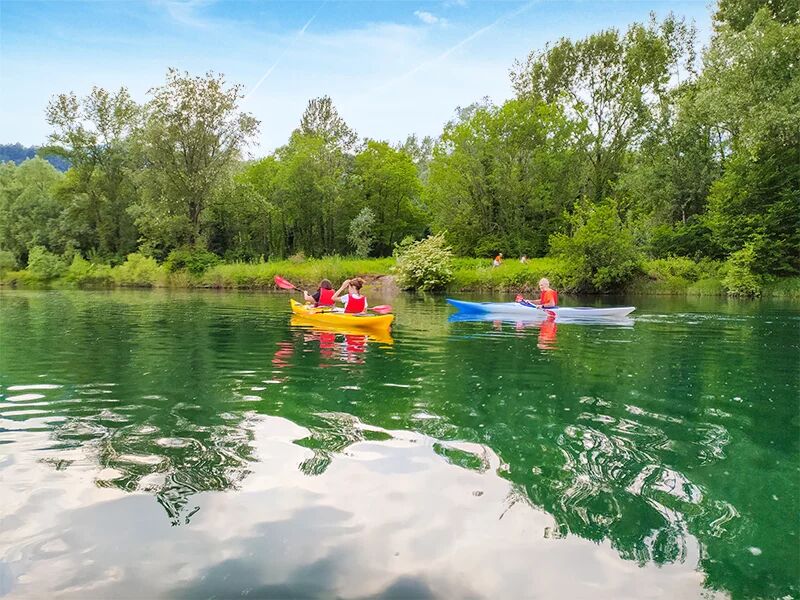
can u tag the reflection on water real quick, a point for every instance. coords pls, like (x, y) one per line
(202, 445)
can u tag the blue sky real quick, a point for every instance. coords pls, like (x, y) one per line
(392, 68)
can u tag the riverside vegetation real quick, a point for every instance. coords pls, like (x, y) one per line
(624, 162)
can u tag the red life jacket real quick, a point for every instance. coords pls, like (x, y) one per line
(549, 295)
(356, 305)
(326, 297)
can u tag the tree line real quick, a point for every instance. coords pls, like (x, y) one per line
(618, 145)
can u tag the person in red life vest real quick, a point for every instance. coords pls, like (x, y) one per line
(323, 296)
(547, 299)
(353, 301)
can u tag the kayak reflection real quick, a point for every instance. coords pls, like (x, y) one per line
(340, 343)
(493, 318)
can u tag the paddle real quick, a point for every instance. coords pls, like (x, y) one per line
(381, 309)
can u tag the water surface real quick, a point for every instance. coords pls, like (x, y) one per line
(194, 445)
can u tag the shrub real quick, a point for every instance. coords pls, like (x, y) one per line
(601, 253)
(138, 271)
(361, 234)
(424, 265)
(82, 273)
(740, 276)
(195, 260)
(44, 265)
(7, 261)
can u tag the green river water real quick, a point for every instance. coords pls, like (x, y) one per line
(159, 444)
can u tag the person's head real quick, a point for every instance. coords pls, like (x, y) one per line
(325, 285)
(500, 255)
(544, 284)
(355, 284)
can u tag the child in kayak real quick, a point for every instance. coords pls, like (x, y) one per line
(323, 296)
(354, 302)
(547, 299)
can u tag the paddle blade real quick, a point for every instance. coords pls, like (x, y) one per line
(282, 283)
(382, 309)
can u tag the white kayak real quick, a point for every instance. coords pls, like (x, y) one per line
(531, 312)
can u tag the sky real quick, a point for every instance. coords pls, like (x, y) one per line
(392, 68)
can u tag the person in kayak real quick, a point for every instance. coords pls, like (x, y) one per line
(547, 299)
(323, 296)
(354, 302)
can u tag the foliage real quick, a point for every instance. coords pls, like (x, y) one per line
(30, 214)
(7, 261)
(362, 232)
(601, 254)
(614, 82)
(741, 278)
(752, 89)
(195, 260)
(83, 273)
(43, 265)
(193, 135)
(502, 177)
(94, 134)
(424, 265)
(138, 271)
(322, 120)
(478, 274)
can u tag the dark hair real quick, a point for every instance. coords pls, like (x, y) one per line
(325, 285)
(357, 282)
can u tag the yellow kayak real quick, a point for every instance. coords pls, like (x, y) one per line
(325, 316)
(376, 335)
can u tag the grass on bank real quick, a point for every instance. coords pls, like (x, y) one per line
(672, 276)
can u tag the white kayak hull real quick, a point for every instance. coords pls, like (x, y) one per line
(529, 312)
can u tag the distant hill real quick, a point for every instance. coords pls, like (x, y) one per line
(17, 153)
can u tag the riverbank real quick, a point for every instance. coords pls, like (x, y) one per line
(671, 277)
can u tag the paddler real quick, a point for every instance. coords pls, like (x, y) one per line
(547, 299)
(353, 301)
(323, 296)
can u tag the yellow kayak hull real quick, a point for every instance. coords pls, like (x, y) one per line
(376, 335)
(341, 320)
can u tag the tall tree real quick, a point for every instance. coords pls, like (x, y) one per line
(93, 133)
(193, 136)
(387, 184)
(502, 177)
(612, 81)
(321, 119)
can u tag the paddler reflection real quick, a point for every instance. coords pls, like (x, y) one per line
(341, 343)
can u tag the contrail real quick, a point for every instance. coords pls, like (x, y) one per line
(459, 45)
(297, 36)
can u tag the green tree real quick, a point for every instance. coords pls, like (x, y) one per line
(30, 214)
(94, 134)
(362, 232)
(387, 183)
(614, 82)
(502, 177)
(321, 119)
(751, 86)
(193, 136)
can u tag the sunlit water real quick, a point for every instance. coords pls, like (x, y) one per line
(193, 445)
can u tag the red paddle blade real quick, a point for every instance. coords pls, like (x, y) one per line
(382, 309)
(282, 283)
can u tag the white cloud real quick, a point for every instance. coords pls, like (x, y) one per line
(429, 18)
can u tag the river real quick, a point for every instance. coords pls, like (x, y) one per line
(179, 444)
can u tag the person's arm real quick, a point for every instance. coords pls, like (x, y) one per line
(342, 288)
(308, 298)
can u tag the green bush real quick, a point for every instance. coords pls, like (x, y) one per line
(478, 274)
(601, 253)
(7, 261)
(83, 273)
(741, 278)
(138, 271)
(44, 265)
(424, 265)
(195, 260)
